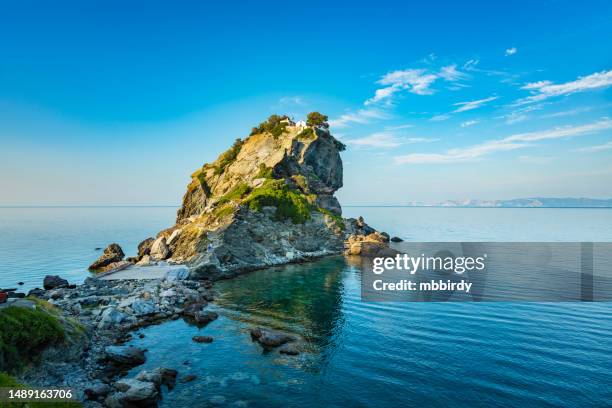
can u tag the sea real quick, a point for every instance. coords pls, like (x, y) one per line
(353, 353)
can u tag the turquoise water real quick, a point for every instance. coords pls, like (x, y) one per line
(353, 353)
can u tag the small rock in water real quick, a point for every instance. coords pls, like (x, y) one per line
(188, 378)
(20, 283)
(289, 349)
(123, 355)
(269, 338)
(396, 239)
(202, 339)
(205, 317)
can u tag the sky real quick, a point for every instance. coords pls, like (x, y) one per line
(118, 102)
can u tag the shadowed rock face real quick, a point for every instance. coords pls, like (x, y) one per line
(268, 200)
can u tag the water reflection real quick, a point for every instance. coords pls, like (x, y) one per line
(304, 301)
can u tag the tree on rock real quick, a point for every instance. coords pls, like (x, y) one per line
(317, 119)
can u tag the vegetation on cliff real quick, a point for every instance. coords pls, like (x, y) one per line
(290, 203)
(275, 125)
(25, 333)
(228, 157)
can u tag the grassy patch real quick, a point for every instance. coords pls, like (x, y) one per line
(289, 203)
(228, 157)
(25, 333)
(275, 125)
(264, 172)
(224, 211)
(306, 134)
(236, 193)
(336, 218)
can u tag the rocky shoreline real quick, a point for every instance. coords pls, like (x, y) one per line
(108, 314)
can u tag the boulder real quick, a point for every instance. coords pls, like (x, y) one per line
(289, 349)
(54, 281)
(205, 317)
(142, 393)
(97, 390)
(269, 338)
(193, 308)
(115, 266)
(178, 273)
(159, 376)
(145, 261)
(142, 307)
(396, 239)
(112, 253)
(125, 355)
(160, 250)
(173, 237)
(202, 339)
(110, 318)
(144, 248)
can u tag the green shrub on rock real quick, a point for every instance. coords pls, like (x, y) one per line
(289, 203)
(317, 119)
(275, 125)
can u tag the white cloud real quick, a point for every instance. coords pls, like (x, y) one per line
(512, 142)
(399, 127)
(416, 81)
(291, 100)
(468, 123)
(439, 118)
(466, 106)
(362, 116)
(546, 89)
(598, 148)
(386, 140)
(381, 139)
(511, 51)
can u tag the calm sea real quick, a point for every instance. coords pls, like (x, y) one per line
(354, 353)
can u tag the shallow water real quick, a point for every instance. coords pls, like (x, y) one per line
(354, 353)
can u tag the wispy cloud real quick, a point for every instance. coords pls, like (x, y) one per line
(399, 127)
(362, 116)
(386, 140)
(468, 123)
(521, 114)
(416, 81)
(440, 118)
(569, 112)
(512, 142)
(597, 148)
(291, 100)
(470, 105)
(546, 89)
(510, 51)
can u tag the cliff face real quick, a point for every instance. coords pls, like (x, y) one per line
(268, 200)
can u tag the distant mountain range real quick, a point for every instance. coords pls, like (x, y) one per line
(535, 202)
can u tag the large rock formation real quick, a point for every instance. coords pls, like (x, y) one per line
(268, 200)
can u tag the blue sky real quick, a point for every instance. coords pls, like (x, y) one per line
(118, 102)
